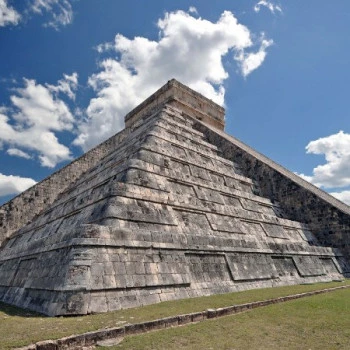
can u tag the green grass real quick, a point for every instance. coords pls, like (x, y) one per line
(19, 328)
(317, 322)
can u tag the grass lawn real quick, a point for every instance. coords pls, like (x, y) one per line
(317, 322)
(19, 327)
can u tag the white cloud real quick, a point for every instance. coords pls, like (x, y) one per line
(67, 86)
(35, 114)
(336, 171)
(252, 61)
(269, 5)
(189, 49)
(8, 15)
(10, 184)
(344, 196)
(193, 10)
(60, 10)
(104, 47)
(18, 153)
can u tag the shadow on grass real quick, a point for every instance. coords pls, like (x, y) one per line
(16, 311)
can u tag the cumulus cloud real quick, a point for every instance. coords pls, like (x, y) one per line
(10, 184)
(36, 113)
(336, 171)
(269, 5)
(104, 47)
(252, 61)
(189, 49)
(61, 11)
(192, 9)
(18, 153)
(8, 15)
(67, 85)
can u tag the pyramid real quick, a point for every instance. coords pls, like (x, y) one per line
(170, 207)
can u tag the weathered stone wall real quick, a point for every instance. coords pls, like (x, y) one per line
(156, 213)
(162, 216)
(23, 208)
(327, 217)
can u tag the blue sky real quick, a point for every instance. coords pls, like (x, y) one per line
(71, 69)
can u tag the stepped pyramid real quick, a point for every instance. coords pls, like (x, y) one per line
(171, 207)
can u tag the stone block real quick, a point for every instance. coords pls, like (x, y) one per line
(47, 345)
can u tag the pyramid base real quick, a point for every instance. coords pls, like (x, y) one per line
(55, 303)
(120, 277)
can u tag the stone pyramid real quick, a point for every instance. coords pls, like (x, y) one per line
(171, 207)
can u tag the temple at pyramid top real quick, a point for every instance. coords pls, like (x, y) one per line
(170, 207)
(189, 101)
